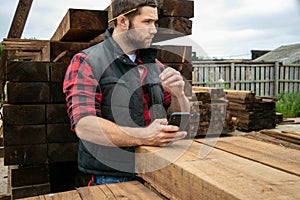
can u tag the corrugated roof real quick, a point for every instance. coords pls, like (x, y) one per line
(288, 54)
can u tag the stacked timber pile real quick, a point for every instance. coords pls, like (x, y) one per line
(39, 147)
(208, 112)
(253, 113)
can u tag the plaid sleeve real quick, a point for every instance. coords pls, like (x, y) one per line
(82, 90)
(167, 96)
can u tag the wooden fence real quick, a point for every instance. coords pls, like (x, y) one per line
(264, 78)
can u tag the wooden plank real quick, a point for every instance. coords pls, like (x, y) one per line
(79, 25)
(176, 8)
(25, 176)
(173, 27)
(54, 49)
(283, 136)
(56, 93)
(58, 71)
(25, 154)
(174, 54)
(127, 190)
(20, 18)
(28, 191)
(62, 152)
(28, 92)
(272, 155)
(15, 44)
(60, 133)
(216, 175)
(131, 190)
(24, 134)
(27, 114)
(57, 113)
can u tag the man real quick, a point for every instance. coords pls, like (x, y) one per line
(117, 95)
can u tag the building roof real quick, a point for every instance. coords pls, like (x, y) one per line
(287, 54)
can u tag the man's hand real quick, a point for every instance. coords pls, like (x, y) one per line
(172, 82)
(159, 133)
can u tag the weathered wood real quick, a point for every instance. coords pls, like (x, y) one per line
(57, 113)
(173, 27)
(28, 92)
(216, 175)
(272, 155)
(269, 139)
(127, 190)
(79, 25)
(33, 175)
(62, 152)
(19, 20)
(283, 136)
(15, 44)
(56, 93)
(24, 135)
(25, 154)
(60, 133)
(27, 114)
(53, 49)
(32, 190)
(176, 8)
(58, 71)
(69, 195)
(174, 54)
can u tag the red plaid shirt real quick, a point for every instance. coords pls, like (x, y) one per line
(80, 85)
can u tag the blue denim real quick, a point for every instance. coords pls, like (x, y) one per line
(99, 180)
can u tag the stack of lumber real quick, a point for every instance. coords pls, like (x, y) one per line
(253, 113)
(36, 126)
(229, 168)
(208, 112)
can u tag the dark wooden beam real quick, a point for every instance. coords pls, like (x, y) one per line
(18, 23)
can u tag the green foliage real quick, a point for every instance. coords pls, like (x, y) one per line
(289, 104)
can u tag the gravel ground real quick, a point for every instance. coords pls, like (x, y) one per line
(3, 177)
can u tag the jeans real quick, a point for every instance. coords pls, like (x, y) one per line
(99, 180)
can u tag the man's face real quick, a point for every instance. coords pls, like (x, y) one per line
(143, 28)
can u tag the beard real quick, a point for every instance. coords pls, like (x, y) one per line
(136, 38)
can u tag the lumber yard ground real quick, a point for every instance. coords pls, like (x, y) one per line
(292, 124)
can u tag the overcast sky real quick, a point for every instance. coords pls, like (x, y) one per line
(221, 28)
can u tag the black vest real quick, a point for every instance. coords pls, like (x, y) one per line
(122, 103)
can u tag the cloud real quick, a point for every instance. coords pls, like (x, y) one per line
(231, 27)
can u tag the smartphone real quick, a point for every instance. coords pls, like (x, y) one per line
(180, 119)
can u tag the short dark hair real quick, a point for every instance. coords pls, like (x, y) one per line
(122, 6)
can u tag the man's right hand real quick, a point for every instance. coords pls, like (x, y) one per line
(159, 133)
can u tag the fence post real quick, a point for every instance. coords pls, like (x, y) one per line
(276, 79)
(232, 71)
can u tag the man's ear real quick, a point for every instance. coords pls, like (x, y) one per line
(123, 22)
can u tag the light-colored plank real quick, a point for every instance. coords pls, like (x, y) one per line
(69, 195)
(132, 190)
(276, 156)
(218, 175)
(91, 193)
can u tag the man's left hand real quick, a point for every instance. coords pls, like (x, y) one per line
(172, 82)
